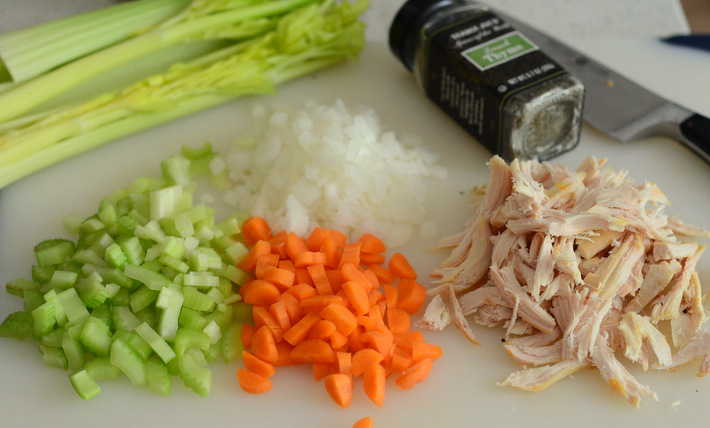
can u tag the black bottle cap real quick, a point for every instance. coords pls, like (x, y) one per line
(406, 25)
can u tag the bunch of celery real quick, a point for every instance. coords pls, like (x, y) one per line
(271, 42)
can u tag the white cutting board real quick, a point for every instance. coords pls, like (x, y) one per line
(461, 390)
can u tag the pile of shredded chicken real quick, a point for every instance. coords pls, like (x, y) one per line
(575, 266)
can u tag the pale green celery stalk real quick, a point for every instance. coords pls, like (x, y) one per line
(252, 67)
(32, 93)
(32, 51)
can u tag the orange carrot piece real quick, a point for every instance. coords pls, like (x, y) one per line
(344, 320)
(383, 274)
(263, 262)
(355, 342)
(299, 331)
(310, 258)
(260, 248)
(338, 341)
(340, 388)
(400, 267)
(376, 316)
(363, 359)
(253, 383)
(320, 279)
(303, 277)
(371, 244)
(350, 255)
(321, 370)
(282, 278)
(287, 265)
(318, 302)
(277, 240)
(350, 272)
(357, 296)
(372, 278)
(260, 292)
(408, 338)
(401, 358)
(279, 312)
(344, 363)
(263, 345)
(262, 317)
(256, 365)
(379, 341)
(313, 351)
(294, 245)
(414, 374)
(302, 291)
(422, 351)
(284, 349)
(340, 238)
(255, 229)
(365, 422)
(374, 383)
(398, 321)
(316, 238)
(322, 330)
(391, 295)
(246, 335)
(293, 307)
(335, 278)
(371, 259)
(332, 253)
(411, 295)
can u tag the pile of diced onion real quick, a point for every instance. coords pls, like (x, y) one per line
(326, 165)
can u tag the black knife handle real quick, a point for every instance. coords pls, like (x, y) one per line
(696, 130)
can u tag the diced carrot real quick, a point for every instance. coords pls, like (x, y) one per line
(261, 292)
(408, 338)
(351, 254)
(335, 278)
(313, 351)
(350, 272)
(294, 245)
(340, 388)
(321, 370)
(255, 229)
(322, 330)
(410, 295)
(391, 295)
(383, 274)
(299, 331)
(374, 383)
(375, 296)
(318, 302)
(414, 374)
(364, 358)
(344, 362)
(263, 345)
(376, 316)
(320, 279)
(282, 278)
(262, 317)
(246, 335)
(379, 341)
(344, 320)
(401, 358)
(256, 365)
(310, 258)
(260, 248)
(338, 340)
(357, 296)
(316, 237)
(293, 307)
(340, 238)
(365, 422)
(355, 342)
(253, 383)
(400, 267)
(422, 351)
(371, 244)
(284, 349)
(371, 259)
(287, 265)
(279, 312)
(277, 240)
(302, 290)
(263, 262)
(332, 253)
(398, 321)
(372, 277)
(303, 277)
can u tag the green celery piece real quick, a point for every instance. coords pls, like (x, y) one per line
(132, 339)
(124, 318)
(133, 250)
(85, 386)
(121, 298)
(74, 352)
(126, 225)
(54, 251)
(148, 315)
(187, 338)
(18, 287)
(164, 202)
(203, 259)
(176, 169)
(42, 274)
(173, 263)
(212, 353)
(197, 300)
(158, 376)
(170, 301)
(236, 252)
(128, 361)
(190, 318)
(96, 336)
(200, 279)
(104, 312)
(142, 298)
(229, 226)
(53, 338)
(214, 332)
(114, 256)
(100, 368)
(156, 342)
(43, 319)
(242, 312)
(193, 373)
(108, 274)
(88, 256)
(72, 305)
(17, 325)
(53, 357)
(232, 273)
(231, 345)
(62, 279)
(92, 291)
(108, 215)
(223, 315)
(151, 279)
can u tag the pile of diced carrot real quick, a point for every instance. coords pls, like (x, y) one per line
(335, 305)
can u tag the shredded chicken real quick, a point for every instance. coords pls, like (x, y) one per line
(575, 265)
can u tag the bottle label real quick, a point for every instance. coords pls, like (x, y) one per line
(475, 65)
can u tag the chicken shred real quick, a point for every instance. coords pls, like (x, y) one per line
(575, 266)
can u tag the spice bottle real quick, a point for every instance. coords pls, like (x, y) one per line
(489, 77)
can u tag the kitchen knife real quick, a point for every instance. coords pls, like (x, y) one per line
(619, 107)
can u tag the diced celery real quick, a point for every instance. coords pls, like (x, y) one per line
(231, 343)
(91, 225)
(115, 256)
(72, 223)
(72, 305)
(53, 357)
(174, 263)
(202, 259)
(104, 313)
(200, 279)
(18, 287)
(213, 331)
(42, 274)
(176, 169)
(43, 318)
(187, 338)
(142, 297)
(128, 361)
(100, 368)
(193, 373)
(132, 339)
(170, 301)
(190, 318)
(17, 325)
(222, 315)
(54, 251)
(229, 227)
(126, 225)
(156, 342)
(95, 336)
(236, 252)
(232, 273)
(107, 215)
(33, 298)
(212, 353)
(164, 202)
(101, 243)
(92, 291)
(74, 352)
(87, 255)
(133, 250)
(150, 231)
(151, 279)
(158, 376)
(124, 318)
(84, 385)
(109, 274)
(197, 300)
(122, 298)
(62, 279)
(53, 338)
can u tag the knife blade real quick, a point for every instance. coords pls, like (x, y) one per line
(619, 107)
